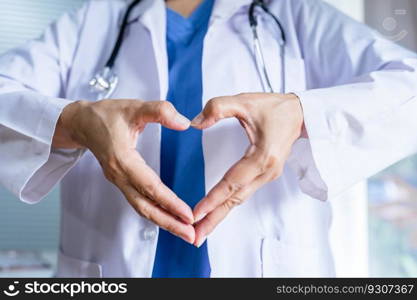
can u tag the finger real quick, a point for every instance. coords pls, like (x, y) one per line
(207, 225)
(217, 109)
(237, 177)
(148, 183)
(163, 112)
(146, 208)
(210, 222)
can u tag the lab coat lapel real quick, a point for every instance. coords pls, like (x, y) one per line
(152, 15)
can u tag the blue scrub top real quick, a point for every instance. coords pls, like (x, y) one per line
(182, 161)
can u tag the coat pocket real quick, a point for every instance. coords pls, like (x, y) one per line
(73, 267)
(280, 259)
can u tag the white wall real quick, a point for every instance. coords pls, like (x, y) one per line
(25, 19)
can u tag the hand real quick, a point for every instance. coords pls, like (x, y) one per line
(273, 122)
(110, 130)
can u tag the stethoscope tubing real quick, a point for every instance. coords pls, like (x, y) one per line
(106, 81)
(258, 52)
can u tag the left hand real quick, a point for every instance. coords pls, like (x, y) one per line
(273, 122)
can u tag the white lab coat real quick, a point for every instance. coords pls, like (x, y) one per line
(358, 92)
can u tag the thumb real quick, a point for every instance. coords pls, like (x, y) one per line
(217, 109)
(164, 112)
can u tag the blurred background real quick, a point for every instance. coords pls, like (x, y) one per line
(374, 230)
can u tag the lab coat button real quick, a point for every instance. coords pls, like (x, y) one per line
(149, 233)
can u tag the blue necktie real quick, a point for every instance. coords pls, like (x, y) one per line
(182, 161)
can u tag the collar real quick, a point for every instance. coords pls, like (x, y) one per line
(223, 9)
(145, 9)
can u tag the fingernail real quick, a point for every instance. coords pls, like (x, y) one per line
(190, 241)
(199, 217)
(201, 242)
(182, 120)
(198, 120)
(187, 239)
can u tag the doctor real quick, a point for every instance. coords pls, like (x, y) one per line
(199, 123)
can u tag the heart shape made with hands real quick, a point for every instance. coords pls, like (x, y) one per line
(273, 122)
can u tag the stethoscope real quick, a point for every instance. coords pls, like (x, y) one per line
(106, 81)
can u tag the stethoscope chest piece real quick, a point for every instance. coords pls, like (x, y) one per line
(104, 83)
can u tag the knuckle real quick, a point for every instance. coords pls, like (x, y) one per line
(244, 96)
(230, 203)
(109, 176)
(234, 201)
(150, 190)
(268, 162)
(232, 187)
(145, 211)
(135, 202)
(249, 106)
(275, 175)
(164, 107)
(164, 111)
(169, 226)
(99, 104)
(210, 224)
(277, 171)
(92, 111)
(112, 170)
(214, 107)
(273, 161)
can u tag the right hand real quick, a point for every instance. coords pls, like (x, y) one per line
(110, 130)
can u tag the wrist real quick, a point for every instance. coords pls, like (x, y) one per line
(64, 136)
(303, 133)
(298, 113)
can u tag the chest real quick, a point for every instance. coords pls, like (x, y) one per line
(229, 65)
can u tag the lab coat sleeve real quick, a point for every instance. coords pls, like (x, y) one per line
(360, 106)
(32, 90)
